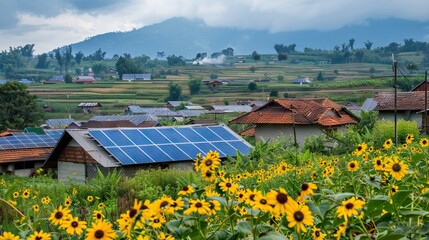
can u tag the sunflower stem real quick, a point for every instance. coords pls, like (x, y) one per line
(16, 210)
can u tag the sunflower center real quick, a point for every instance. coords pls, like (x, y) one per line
(281, 198)
(263, 201)
(317, 233)
(298, 216)
(185, 189)
(38, 238)
(378, 162)
(99, 216)
(164, 204)
(393, 189)
(359, 148)
(99, 234)
(145, 207)
(424, 142)
(208, 174)
(156, 220)
(252, 196)
(58, 215)
(133, 213)
(349, 206)
(198, 205)
(352, 165)
(228, 185)
(304, 187)
(209, 162)
(74, 224)
(396, 167)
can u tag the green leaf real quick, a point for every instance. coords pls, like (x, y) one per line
(173, 224)
(221, 200)
(400, 196)
(341, 196)
(414, 213)
(424, 230)
(222, 235)
(181, 233)
(375, 205)
(395, 235)
(244, 227)
(273, 236)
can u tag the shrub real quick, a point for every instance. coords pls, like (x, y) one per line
(385, 129)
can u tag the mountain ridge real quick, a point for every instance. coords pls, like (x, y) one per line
(185, 37)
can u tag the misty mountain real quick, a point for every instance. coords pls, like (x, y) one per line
(185, 37)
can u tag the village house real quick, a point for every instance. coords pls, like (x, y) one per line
(89, 108)
(296, 118)
(136, 77)
(85, 80)
(81, 152)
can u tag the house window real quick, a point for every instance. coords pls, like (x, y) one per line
(23, 165)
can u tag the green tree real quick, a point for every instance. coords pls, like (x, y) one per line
(282, 56)
(252, 86)
(351, 43)
(78, 57)
(280, 78)
(68, 78)
(42, 61)
(60, 59)
(256, 56)
(252, 69)
(228, 52)
(274, 93)
(213, 76)
(320, 76)
(67, 58)
(174, 92)
(126, 65)
(19, 108)
(99, 68)
(194, 85)
(174, 60)
(368, 44)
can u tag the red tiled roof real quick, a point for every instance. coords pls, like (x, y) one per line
(404, 101)
(248, 132)
(298, 111)
(26, 154)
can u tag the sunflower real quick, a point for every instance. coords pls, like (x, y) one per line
(298, 216)
(398, 169)
(125, 224)
(59, 215)
(361, 149)
(97, 215)
(393, 189)
(210, 161)
(157, 221)
(200, 206)
(340, 231)
(26, 193)
(100, 230)
(8, 236)
(307, 189)
(163, 205)
(350, 207)
(424, 142)
(178, 204)
(208, 175)
(15, 194)
(73, 226)
(90, 198)
(261, 203)
(67, 201)
(186, 190)
(227, 185)
(280, 200)
(353, 166)
(239, 195)
(378, 163)
(250, 196)
(317, 233)
(387, 144)
(40, 236)
(162, 236)
(214, 207)
(100, 206)
(36, 207)
(132, 213)
(140, 237)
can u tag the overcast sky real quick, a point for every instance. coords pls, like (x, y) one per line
(54, 23)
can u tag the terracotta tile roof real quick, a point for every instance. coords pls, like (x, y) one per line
(27, 154)
(248, 131)
(405, 101)
(298, 111)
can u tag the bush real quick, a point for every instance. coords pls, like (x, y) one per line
(385, 129)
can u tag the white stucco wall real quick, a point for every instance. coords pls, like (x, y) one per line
(71, 171)
(272, 132)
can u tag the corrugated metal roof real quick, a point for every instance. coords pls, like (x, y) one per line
(194, 107)
(135, 119)
(92, 104)
(59, 122)
(158, 112)
(232, 108)
(57, 78)
(369, 104)
(138, 76)
(192, 113)
(178, 103)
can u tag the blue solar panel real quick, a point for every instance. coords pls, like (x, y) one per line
(173, 135)
(153, 135)
(136, 136)
(28, 140)
(223, 133)
(101, 138)
(155, 153)
(207, 134)
(190, 134)
(190, 149)
(120, 156)
(240, 146)
(175, 152)
(165, 144)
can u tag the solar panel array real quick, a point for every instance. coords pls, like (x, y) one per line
(166, 144)
(30, 140)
